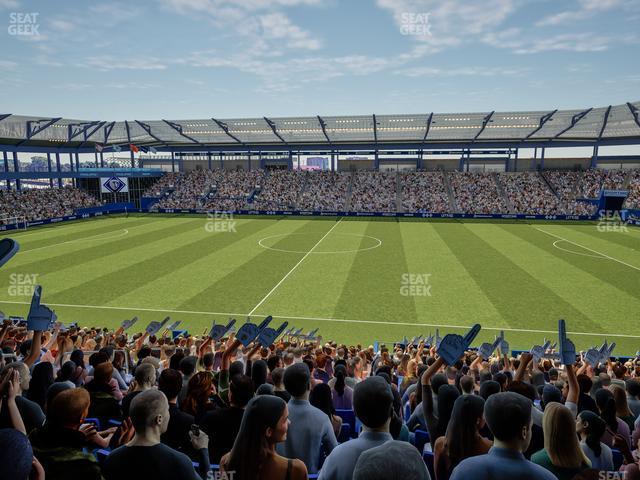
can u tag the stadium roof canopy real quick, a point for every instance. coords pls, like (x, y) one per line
(619, 124)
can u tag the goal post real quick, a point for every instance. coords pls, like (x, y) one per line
(20, 222)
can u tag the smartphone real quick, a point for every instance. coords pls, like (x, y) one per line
(195, 429)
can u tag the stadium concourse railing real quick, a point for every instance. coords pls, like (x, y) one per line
(635, 220)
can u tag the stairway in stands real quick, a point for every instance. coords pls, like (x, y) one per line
(503, 195)
(347, 202)
(452, 197)
(399, 207)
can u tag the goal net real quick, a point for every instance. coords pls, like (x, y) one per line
(20, 222)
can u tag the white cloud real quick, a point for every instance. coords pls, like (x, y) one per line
(277, 26)
(62, 25)
(472, 71)
(107, 63)
(261, 22)
(451, 22)
(571, 42)
(585, 9)
(8, 4)
(8, 65)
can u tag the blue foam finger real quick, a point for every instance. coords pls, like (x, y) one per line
(127, 324)
(567, 347)
(40, 316)
(269, 335)
(8, 248)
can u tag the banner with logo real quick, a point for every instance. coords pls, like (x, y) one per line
(114, 184)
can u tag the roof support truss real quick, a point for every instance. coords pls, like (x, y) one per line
(275, 130)
(178, 128)
(323, 126)
(635, 113)
(544, 119)
(147, 128)
(76, 129)
(485, 121)
(34, 127)
(88, 135)
(604, 122)
(225, 128)
(574, 120)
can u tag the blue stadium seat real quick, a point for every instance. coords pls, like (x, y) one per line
(428, 461)
(407, 412)
(345, 433)
(421, 439)
(114, 423)
(101, 455)
(95, 421)
(348, 416)
(618, 458)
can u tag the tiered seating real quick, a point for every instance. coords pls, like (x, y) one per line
(476, 193)
(39, 204)
(424, 192)
(373, 192)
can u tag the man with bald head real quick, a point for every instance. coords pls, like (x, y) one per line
(145, 456)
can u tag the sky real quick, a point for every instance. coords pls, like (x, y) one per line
(181, 59)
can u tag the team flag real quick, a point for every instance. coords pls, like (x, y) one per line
(99, 147)
(144, 149)
(133, 148)
(117, 148)
(153, 150)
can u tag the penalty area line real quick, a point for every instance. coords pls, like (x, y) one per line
(604, 255)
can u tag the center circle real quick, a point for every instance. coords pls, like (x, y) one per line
(376, 242)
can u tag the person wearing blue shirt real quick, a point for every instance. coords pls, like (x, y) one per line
(508, 416)
(373, 405)
(310, 434)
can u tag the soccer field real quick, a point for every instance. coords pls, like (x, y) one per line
(357, 280)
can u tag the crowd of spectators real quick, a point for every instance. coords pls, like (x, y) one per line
(633, 200)
(425, 192)
(476, 192)
(568, 187)
(528, 193)
(325, 191)
(92, 403)
(373, 192)
(167, 181)
(550, 192)
(42, 203)
(280, 190)
(189, 190)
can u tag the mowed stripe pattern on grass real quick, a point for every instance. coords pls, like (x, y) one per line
(499, 274)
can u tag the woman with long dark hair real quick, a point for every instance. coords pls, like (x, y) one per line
(320, 397)
(41, 380)
(341, 394)
(201, 396)
(462, 439)
(607, 407)
(264, 424)
(590, 428)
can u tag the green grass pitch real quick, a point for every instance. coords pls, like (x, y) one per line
(358, 280)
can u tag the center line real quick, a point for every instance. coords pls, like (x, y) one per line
(294, 267)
